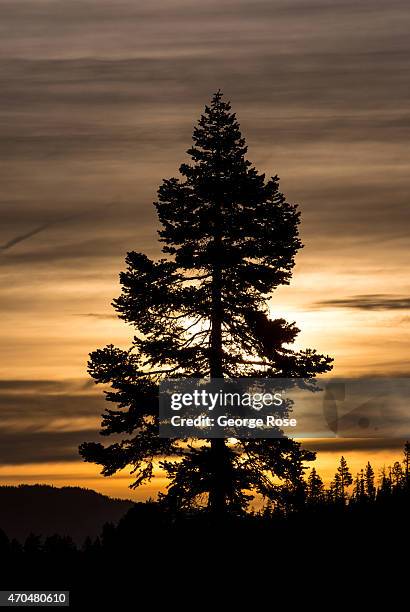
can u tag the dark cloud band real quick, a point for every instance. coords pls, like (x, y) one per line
(368, 302)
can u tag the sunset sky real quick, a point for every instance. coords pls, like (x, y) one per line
(98, 103)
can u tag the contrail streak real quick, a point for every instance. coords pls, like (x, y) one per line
(45, 226)
(25, 236)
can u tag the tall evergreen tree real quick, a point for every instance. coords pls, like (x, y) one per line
(229, 239)
(385, 482)
(335, 492)
(315, 488)
(369, 486)
(345, 477)
(359, 492)
(406, 462)
(397, 475)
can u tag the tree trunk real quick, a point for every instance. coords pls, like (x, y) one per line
(217, 493)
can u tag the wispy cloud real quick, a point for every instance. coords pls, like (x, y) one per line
(96, 315)
(340, 445)
(378, 301)
(27, 447)
(45, 226)
(44, 421)
(26, 236)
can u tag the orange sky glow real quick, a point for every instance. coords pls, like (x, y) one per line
(99, 107)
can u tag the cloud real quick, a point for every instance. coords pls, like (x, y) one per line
(45, 226)
(100, 98)
(97, 315)
(22, 237)
(33, 386)
(38, 406)
(45, 421)
(378, 301)
(41, 446)
(340, 445)
(50, 254)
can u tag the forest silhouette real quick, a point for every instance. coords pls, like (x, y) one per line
(320, 529)
(347, 503)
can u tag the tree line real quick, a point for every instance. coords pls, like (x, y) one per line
(364, 496)
(365, 488)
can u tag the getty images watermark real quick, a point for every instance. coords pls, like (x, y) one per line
(291, 407)
(229, 403)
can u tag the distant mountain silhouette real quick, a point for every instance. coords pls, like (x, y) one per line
(46, 510)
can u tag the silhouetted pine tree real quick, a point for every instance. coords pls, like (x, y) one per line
(229, 239)
(397, 475)
(369, 486)
(345, 477)
(359, 494)
(335, 490)
(291, 495)
(315, 488)
(406, 462)
(385, 484)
